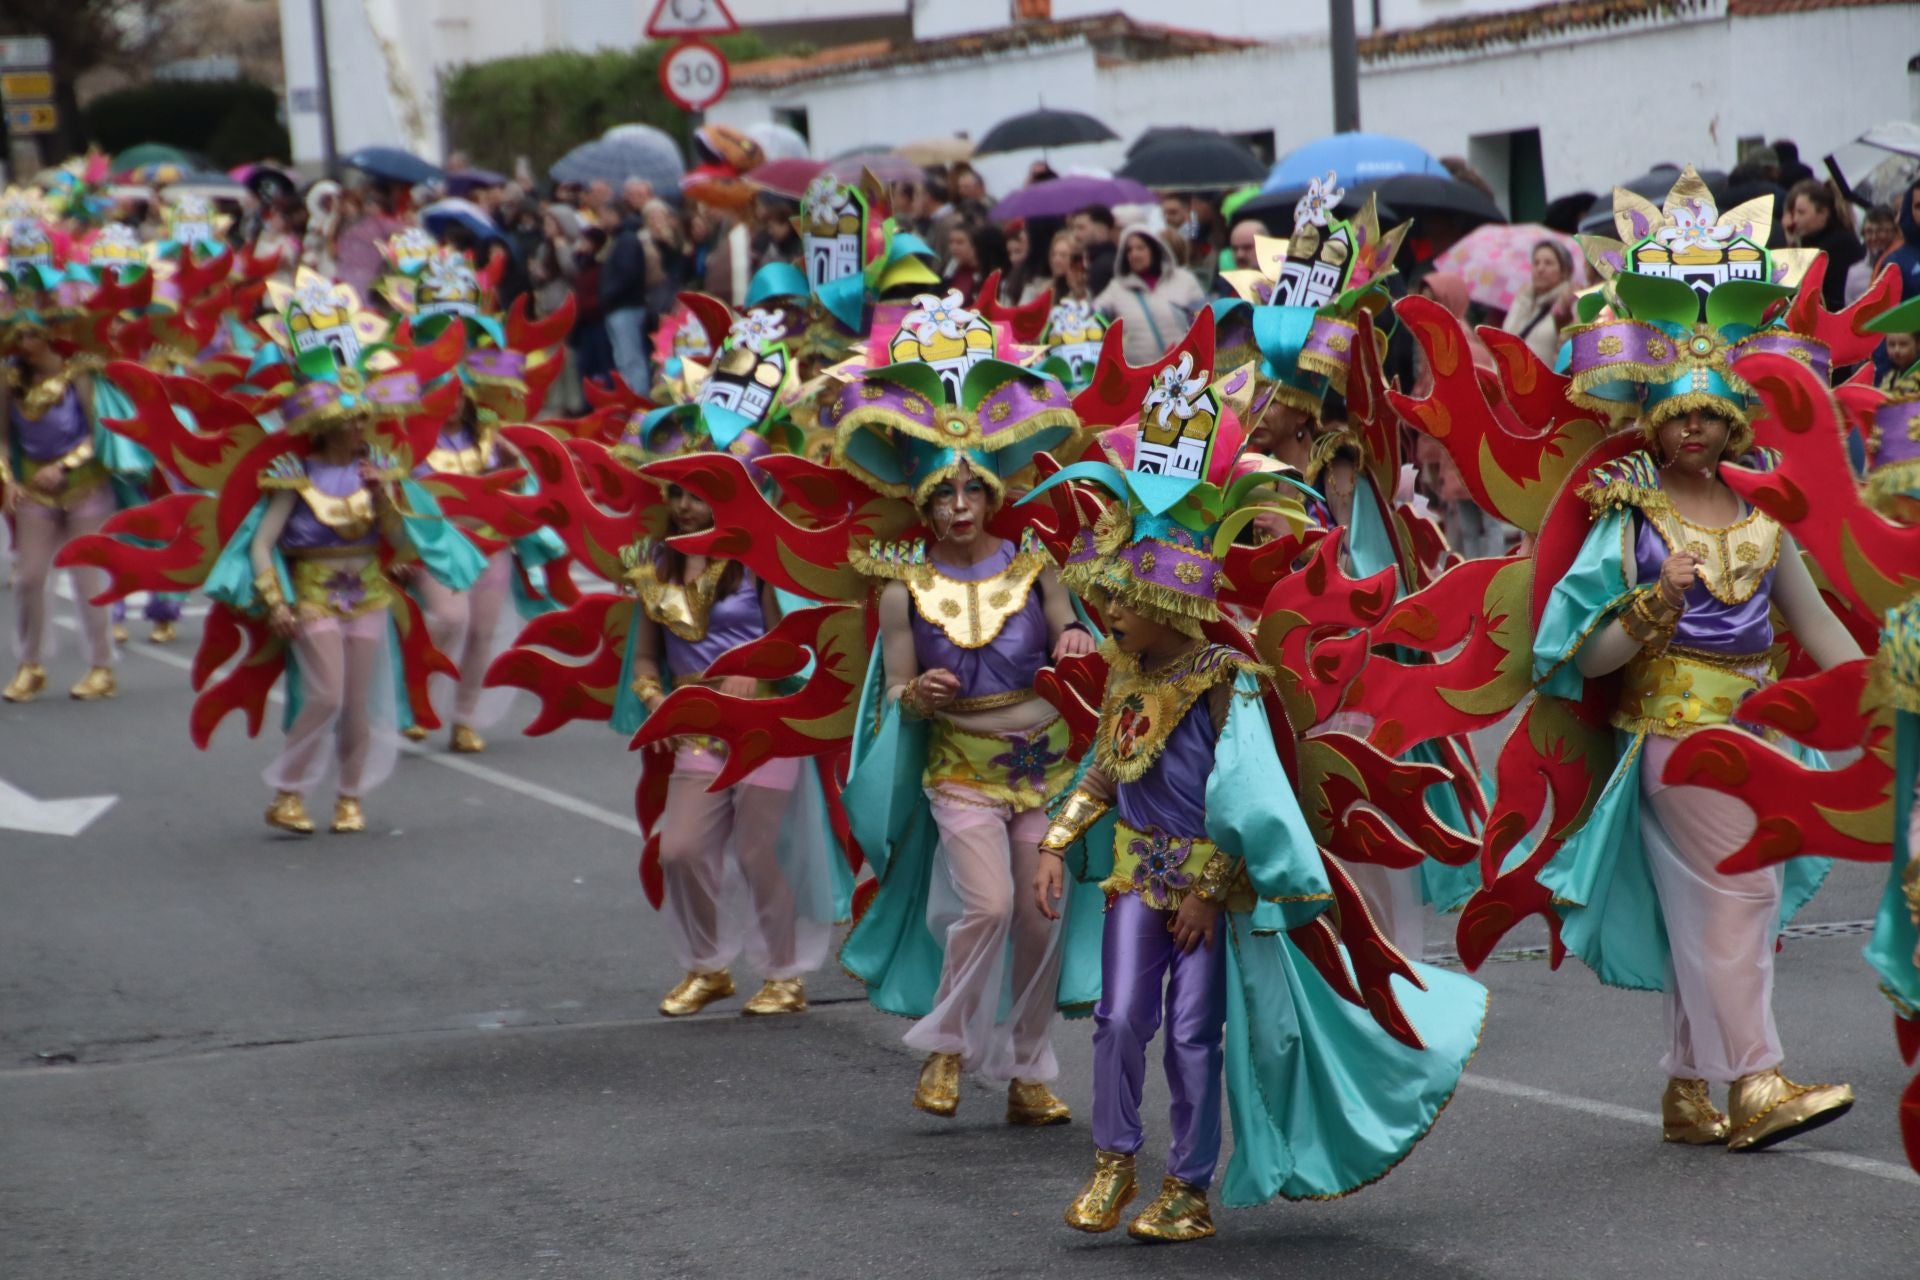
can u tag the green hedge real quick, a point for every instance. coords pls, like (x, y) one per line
(544, 105)
(229, 121)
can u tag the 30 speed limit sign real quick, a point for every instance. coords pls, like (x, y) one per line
(694, 74)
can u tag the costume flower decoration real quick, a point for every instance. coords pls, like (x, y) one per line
(1158, 875)
(1175, 392)
(1027, 761)
(758, 329)
(1316, 207)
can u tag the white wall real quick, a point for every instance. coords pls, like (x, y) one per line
(1258, 19)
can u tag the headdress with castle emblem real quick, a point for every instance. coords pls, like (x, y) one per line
(1294, 310)
(1161, 546)
(193, 225)
(853, 256)
(1072, 338)
(902, 429)
(1686, 293)
(1893, 446)
(328, 364)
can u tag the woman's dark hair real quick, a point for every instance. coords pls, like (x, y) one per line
(989, 247)
(1153, 246)
(671, 564)
(1818, 193)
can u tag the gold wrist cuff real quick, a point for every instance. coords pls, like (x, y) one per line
(1650, 620)
(266, 585)
(1076, 815)
(910, 700)
(6, 473)
(1216, 878)
(645, 687)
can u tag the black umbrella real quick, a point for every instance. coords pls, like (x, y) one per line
(1654, 185)
(1193, 160)
(1413, 194)
(1043, 128)
(269, 184)
(393, 164)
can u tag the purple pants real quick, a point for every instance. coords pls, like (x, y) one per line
(1136, 952)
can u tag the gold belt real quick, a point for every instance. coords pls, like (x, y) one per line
(992, 701)
(1683, 689)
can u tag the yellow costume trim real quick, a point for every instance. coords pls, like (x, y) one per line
(1140, 710)
(1164, 869)
(1736, 558)
(1001, 767)
(45, 394)
(1680, 690)
(682, 608)
(84, 473)
(471, 461)
(320, 589)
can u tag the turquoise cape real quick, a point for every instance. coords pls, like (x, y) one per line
(892, 949)
(1891, 950)
(1323, 1100)
(1610, 915)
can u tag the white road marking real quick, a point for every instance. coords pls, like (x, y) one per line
(1627, 1115)
(67, 817)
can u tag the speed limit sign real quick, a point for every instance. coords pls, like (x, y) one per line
(694, 74)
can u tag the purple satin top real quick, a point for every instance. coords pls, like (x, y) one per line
(55, 433)
(1009, 661)
(1708, 623)
(1172, 795)
(304, 531)
(734, 619)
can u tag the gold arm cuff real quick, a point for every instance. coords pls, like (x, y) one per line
(1216, 878)
(911, 703)
(266, 585)
(1076, 815)
(1650, 619)
(645, 687)
(6, 473)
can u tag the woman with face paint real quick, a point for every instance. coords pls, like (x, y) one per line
(955, 756)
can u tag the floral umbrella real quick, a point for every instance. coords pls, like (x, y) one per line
(1496, 261)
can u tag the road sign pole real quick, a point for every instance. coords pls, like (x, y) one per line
(323, 90)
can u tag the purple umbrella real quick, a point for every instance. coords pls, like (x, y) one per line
(1059, 197)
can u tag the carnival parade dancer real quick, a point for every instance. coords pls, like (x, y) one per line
(955, 757)
(745, 868)
(1186, 813)
(298, 540)
(504, 370)
(745, 864)
(54, 488)
(1670, 595)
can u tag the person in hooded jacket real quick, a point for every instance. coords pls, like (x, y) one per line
(1152, 293)
(1906, 254)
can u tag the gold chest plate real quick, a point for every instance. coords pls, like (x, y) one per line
(1734, 560)
(351, 517)
(972, 614)
(682, 608)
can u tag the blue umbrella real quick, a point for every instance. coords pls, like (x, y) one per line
(393, 164)
(441, 214)
(614, 159)
(1353, 158)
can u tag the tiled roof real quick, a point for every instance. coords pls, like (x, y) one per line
(1517, 26)
(1113, 36)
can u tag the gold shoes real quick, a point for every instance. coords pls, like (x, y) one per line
(288, 812)
(695, 992)
(414, 733)
(1688, 1115)
(1030, 1102)
(777, 995)
(466, 742)
(1767, 1108)
(1112, 1186)
(348, 818)
(98, 683)
(26, 684)
(938, 1092)
(119, 633)
(163, 633)
(1178, 1214)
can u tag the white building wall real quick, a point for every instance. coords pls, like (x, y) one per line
(1257, 19)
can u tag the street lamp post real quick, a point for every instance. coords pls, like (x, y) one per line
(323, 89)
(1346, 66)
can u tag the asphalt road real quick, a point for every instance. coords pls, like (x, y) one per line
(432, 1051)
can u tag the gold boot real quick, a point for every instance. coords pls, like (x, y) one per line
(26, 684)
(288, 812)
(1178, 1214)
(938, 1092)
(695, 992)
(414, 733)
(1108, 1191)
(119, 633)
(348, 817)
(1031, 1102)
(778, 995)
(465, 742)
(163, 633)
(1767, 1108)
(1688, 1115)
(98, 683)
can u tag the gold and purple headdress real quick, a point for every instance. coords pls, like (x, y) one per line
(901, 429)
(1294, 309)
(1893, 446)
(327, 364)
(1161, 545)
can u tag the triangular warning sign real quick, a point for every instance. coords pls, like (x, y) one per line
(673, 18)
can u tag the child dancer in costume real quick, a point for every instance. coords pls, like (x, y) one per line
(1669, 598)
(1189, 824)
(744, 868)
(55, 488)
(955, 757)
